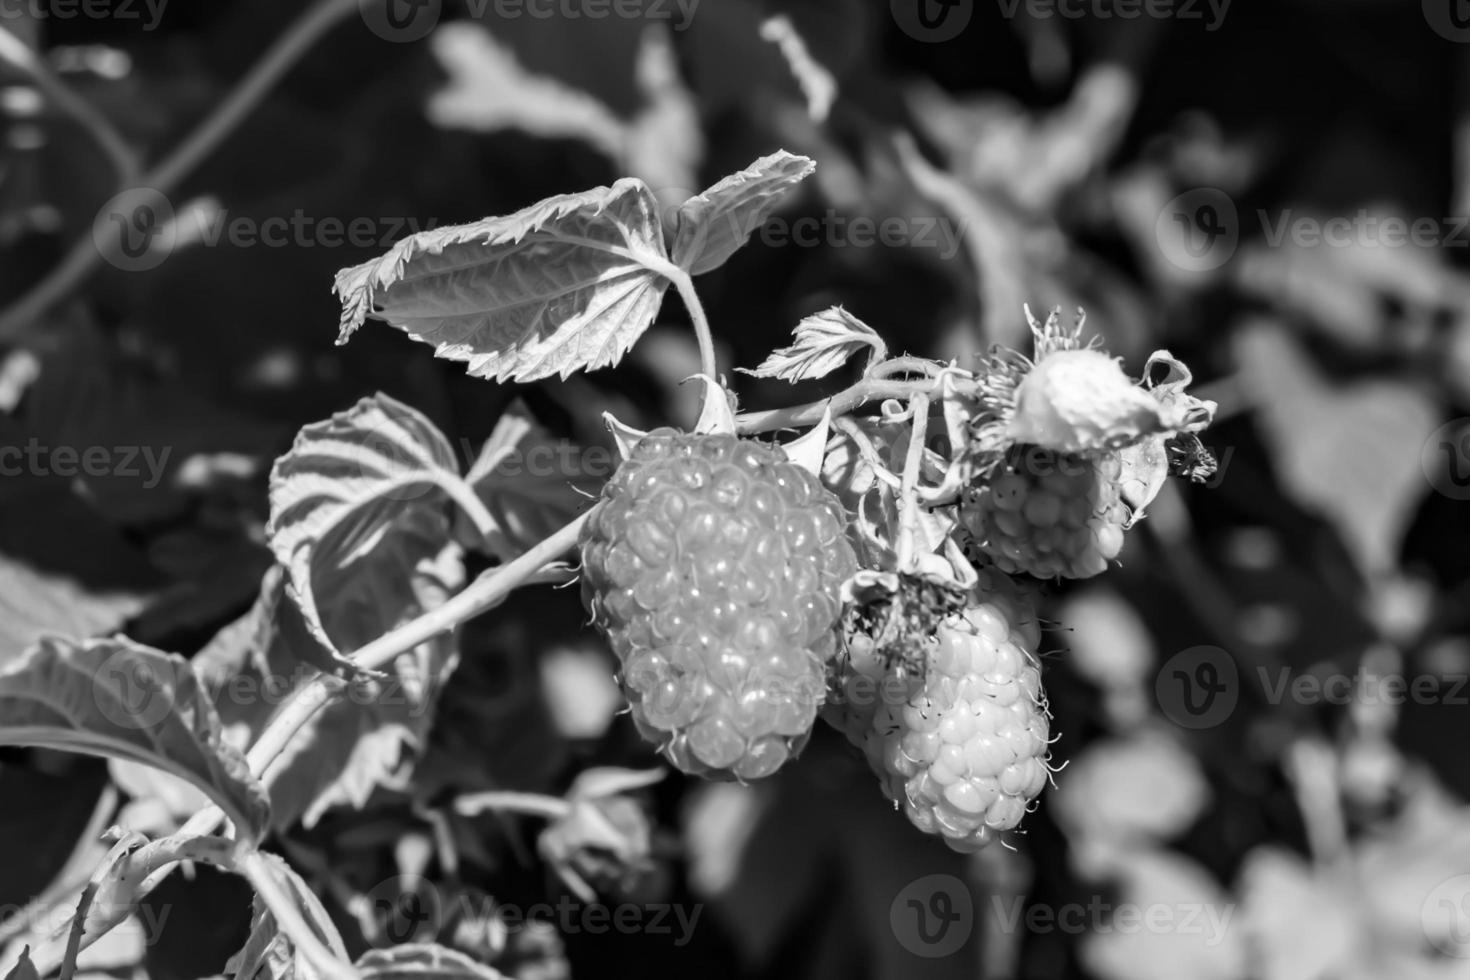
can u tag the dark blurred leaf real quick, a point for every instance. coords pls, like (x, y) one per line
(530, 483)
(201, 920)
(35, 603)
(1351, 453)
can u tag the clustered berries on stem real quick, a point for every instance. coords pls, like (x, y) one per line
(860, 571)
(741, 594)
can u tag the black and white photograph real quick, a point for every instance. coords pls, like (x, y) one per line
(739, 489)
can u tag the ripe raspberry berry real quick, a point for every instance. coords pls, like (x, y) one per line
(714, 564)
(1047, 513)
(958, 730)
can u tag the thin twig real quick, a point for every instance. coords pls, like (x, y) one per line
(78, 927)
(840, 404)
(510, 801)
(124, 161)
(905, 365)
(909, 494)
(487, 591)
(483, 593)
(82, 258)
(707, 362)
(1311, 768)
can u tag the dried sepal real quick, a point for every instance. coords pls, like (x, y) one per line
(1071, 396)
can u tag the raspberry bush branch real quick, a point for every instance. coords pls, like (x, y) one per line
(484, 593)
(840, 404)
(487, 591)
(861, 572)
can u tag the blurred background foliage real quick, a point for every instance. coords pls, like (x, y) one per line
(1054, 145)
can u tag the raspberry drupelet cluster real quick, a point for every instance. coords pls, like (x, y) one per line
(715, 566)
(951, 718)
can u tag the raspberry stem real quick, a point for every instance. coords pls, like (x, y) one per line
(905, 365)
(287, 911)
(485, 592)
(909, 493)
(685, 285)
(840, 404)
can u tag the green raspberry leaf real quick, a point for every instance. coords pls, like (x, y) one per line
(121, 700)
(823, 343)
(710, 227)
(422, 961)
(370, 737)
(343, 497)
(565, 285)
